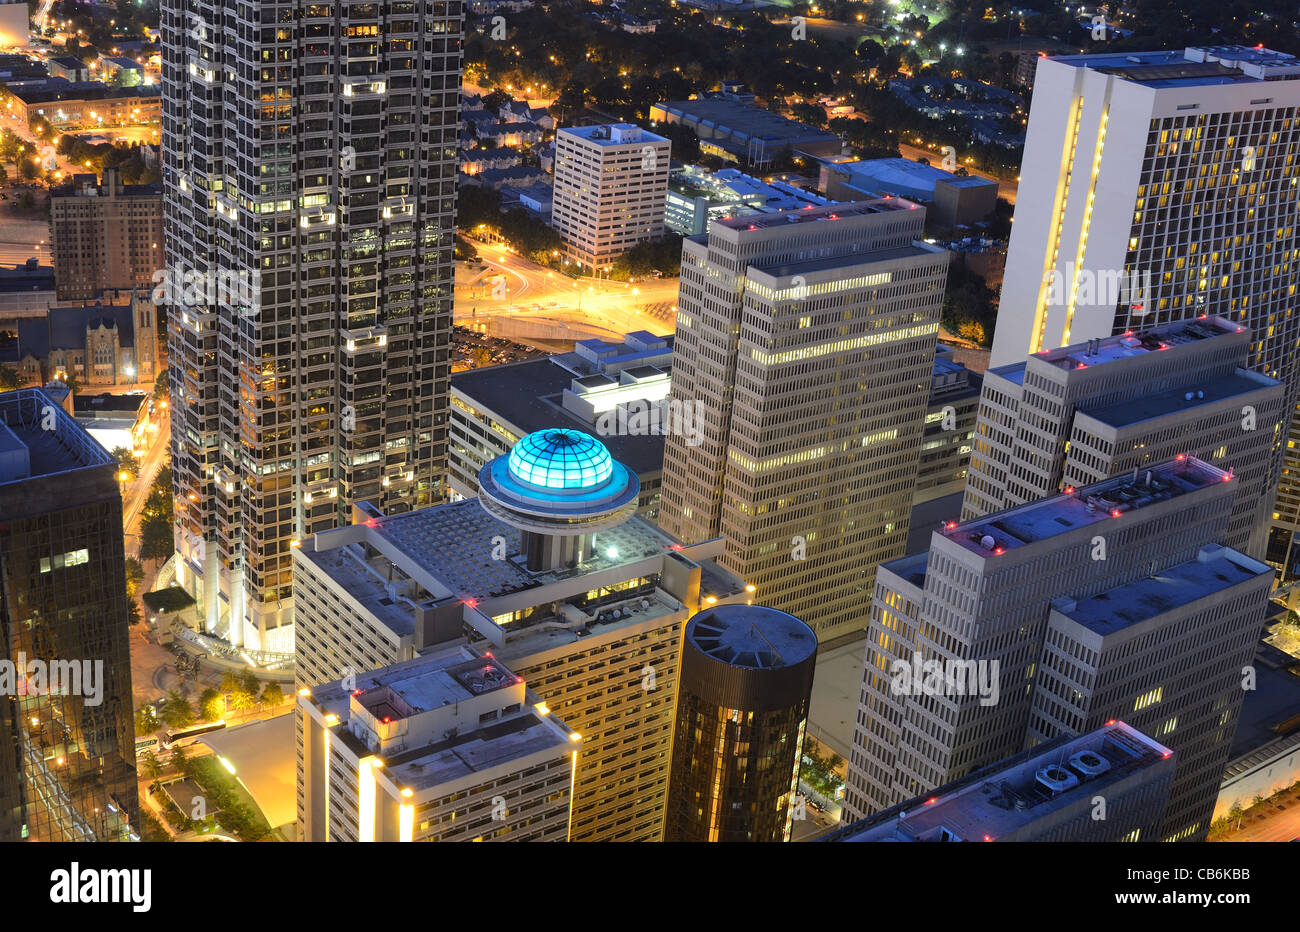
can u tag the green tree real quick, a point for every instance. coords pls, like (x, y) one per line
(272, 695)
(177, 711)
(126, 459)
(151, 766)
(134, 575)
(10, 378)
(212, 705)
(146, 720)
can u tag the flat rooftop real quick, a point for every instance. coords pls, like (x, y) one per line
(1196, 66)
(529, 395)
(998, 800)
(1147, 407)
(853, 260)
(1172, 588)
(433, 681)
(1046, 518)
(1137, 343)
(731, 117)
(828, 213)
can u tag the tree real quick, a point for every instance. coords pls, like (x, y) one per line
(272, 695)
(146, 720)
(161, 389)
(156, 541)
(212, 705)
(151, 765)
(177, 711)
(134, 575)
(4, 175)
(10, 378)
(127, 460)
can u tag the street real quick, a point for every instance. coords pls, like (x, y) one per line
(534, 291)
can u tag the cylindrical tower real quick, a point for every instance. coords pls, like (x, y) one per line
(559, 487)
(742, 707)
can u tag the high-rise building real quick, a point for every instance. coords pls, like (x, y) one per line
(105, 235)
(1167, 653)
(309, 166)
(805, 344)
(67, 738)
(949, 429)
(1159, 186)
(440, 748)
(966, 662)
(611, 187)
(742, 707)
(1069, 417)
(1048, 793)
(553, 575)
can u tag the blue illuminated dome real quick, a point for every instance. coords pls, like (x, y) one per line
(560, 459)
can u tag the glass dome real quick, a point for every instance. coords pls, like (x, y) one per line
(560, 459)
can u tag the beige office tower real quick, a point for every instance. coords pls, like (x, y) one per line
(805, 342)
(309, 175)
(559, 582)
(959, 634)
(446, 748)
(1167, 653)
(1073, 416)
(1160, 186)
(611, 190)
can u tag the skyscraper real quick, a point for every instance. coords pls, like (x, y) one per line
(309, 164)
(1073, 416)
(552, 575)
(967, 661)
(805, 341)
(67, 739)
(1159, 186)
(611, 189)
(742, 707)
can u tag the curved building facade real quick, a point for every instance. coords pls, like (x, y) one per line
(742, 708)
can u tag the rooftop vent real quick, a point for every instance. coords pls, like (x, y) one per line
(1056, 779)
(1089, 763)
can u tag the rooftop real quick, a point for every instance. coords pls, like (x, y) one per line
(810, 214)
(905, 173)
(752, 636)
(1138, 343)
(1216, 569)
(745, 119)
(996, 801)
(1146, 407)
(1044, 519)
(1197, 66)
(65, 449)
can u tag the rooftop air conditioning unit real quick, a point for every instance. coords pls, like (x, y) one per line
(1089, 763)
(1056, 779)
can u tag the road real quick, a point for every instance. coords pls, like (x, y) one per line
(1275, 825)
(136, 491)
(534, 291)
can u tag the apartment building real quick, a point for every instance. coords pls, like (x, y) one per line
(611, 187)
(105, 235)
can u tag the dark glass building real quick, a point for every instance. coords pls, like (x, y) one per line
(67, 735)
(742, 707)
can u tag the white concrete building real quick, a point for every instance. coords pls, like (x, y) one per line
(611, 187)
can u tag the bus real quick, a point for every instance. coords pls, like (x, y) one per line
(184, 737)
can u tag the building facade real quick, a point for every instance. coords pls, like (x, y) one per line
(611, 184)
(553, 576)
(67, 735)
(309, 214)
(1073, 416)
(1157, 186)
(105, 236)
(962, 653)
(447, 748)
(98, 344)
(742, 708)
(805, 344)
